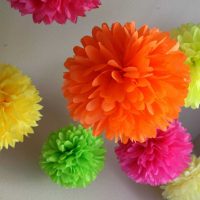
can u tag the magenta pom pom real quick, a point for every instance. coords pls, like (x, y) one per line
(158, 160)
(54, 10)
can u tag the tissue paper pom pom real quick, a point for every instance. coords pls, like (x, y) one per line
(54, 10)
(73, 157)
(187, 186)
(19, 108)
(188, 36)
(159, 160)
(126, 82)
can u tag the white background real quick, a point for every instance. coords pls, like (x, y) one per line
(40, 52)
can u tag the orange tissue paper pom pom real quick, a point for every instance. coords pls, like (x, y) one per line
(126, 82)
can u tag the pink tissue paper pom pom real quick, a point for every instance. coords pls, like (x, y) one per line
(158, 160)
(54, 10)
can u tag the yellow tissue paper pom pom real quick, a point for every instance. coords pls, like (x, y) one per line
(188, 36)
(19, 108)
(187, 186)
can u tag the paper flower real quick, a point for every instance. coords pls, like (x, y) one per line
(187, 186)
(60, 11)
(188, 36)
(19, 108)
(72, 157)
(126, 82)
(159, 160)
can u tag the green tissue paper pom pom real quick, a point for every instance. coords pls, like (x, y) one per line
(188, 35)
(73, 157)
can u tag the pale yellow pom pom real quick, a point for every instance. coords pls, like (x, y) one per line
(19, 108)
(187, 186)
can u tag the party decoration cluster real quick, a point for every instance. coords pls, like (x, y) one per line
(19, 106)
(54, 10)
(158, 160)
(72, 156)
(125, 81)
(188, 36)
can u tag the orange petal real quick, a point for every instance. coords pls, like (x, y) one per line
(116, 76)
(108, 105)
(93, 104)
(93, 54)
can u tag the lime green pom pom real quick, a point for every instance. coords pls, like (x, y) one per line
(73, 157)
(188, 35)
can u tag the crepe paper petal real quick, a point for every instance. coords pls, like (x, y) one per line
(49, 11)
(188, 35)
(186, 186)
(72, 156)
(19, 106)
(159, 160)
(126, 81)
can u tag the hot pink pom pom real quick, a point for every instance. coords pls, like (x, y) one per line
(159, 160)
(54, 10)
